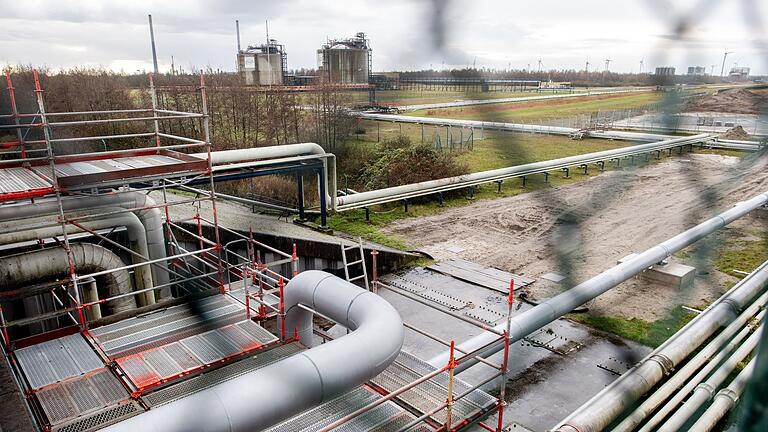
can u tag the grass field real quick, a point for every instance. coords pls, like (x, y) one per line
(415, 97)
(497, 150)
(542, 111)
(494, 150)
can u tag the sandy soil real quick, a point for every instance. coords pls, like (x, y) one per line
(618, 212)
(739, 101)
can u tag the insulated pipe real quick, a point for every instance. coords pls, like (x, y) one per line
(45, 264)
(724, 401)
(513, 127)
(597, 413)
(150, 218)
(432, 186)
(224, 157)
(136, 236)
(266, 396)
(682, 377)
(550, 310)
(706, 390)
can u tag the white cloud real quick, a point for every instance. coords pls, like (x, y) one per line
(494, 33)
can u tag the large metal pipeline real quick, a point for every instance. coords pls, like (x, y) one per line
(724, 400)
(149, 217)
(683, 381)
(552, 309)
(225, 157)
(269, 395)
(705, 390)
(597, 413)
(433, 186)
(136, 236)
(19, 270)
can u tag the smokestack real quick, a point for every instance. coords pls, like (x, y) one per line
(237, 27)
(152, 39)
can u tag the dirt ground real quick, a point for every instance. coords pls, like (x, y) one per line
(740, 101)
(620, 212)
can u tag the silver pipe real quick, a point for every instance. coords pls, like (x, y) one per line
(724, 401)
(682, 377)
(706, 390)
(550, 310)
(18, 270)
(281, 151)
(151, 218)
(266, 396)
(432, 186)
(602, 409)
(136, 236)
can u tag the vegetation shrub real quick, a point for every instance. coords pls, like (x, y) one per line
(398, 162)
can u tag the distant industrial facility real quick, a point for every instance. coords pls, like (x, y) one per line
(697, 70)
(345, 61)
(263, 64)
(739, 72)
(665, 71)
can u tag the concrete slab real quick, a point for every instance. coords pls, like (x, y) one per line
(553, 371)
(671, 274)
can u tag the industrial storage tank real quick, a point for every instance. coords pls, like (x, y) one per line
(345, 61)
(262, 64)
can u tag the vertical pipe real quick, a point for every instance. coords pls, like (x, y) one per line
(237, 29)
(152, 40)
(300, 193)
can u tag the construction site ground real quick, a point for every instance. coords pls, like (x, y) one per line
(619, 212)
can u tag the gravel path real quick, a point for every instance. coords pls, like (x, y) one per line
(620, 212)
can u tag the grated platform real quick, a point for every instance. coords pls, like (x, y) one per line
(56, 360)
(102, 418)
(381, 418)
(432, 393)
(156, 329)
(80, 396)
(157, 365)
(21, 182)
(216, 376)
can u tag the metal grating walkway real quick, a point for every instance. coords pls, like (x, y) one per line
(157, 365)
(432, 393)
(80, 396)
(217, 376)
(19, 182)
(159, 328)
(382, 418)
(102, 418)
(53, 361)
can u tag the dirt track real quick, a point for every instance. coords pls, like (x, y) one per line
(620, 212)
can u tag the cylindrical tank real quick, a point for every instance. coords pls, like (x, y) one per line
(345, 61)
(262, 65)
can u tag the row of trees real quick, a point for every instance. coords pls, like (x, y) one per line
(240, 116)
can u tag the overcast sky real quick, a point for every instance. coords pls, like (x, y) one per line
(493, 33)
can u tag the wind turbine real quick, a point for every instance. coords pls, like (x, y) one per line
(607, 64)
(725, 55)
(641, 65)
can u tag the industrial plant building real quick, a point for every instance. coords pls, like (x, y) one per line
(345, 61)
(263, 64)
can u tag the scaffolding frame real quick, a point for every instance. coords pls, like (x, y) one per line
(39, 157)
(208, 268)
